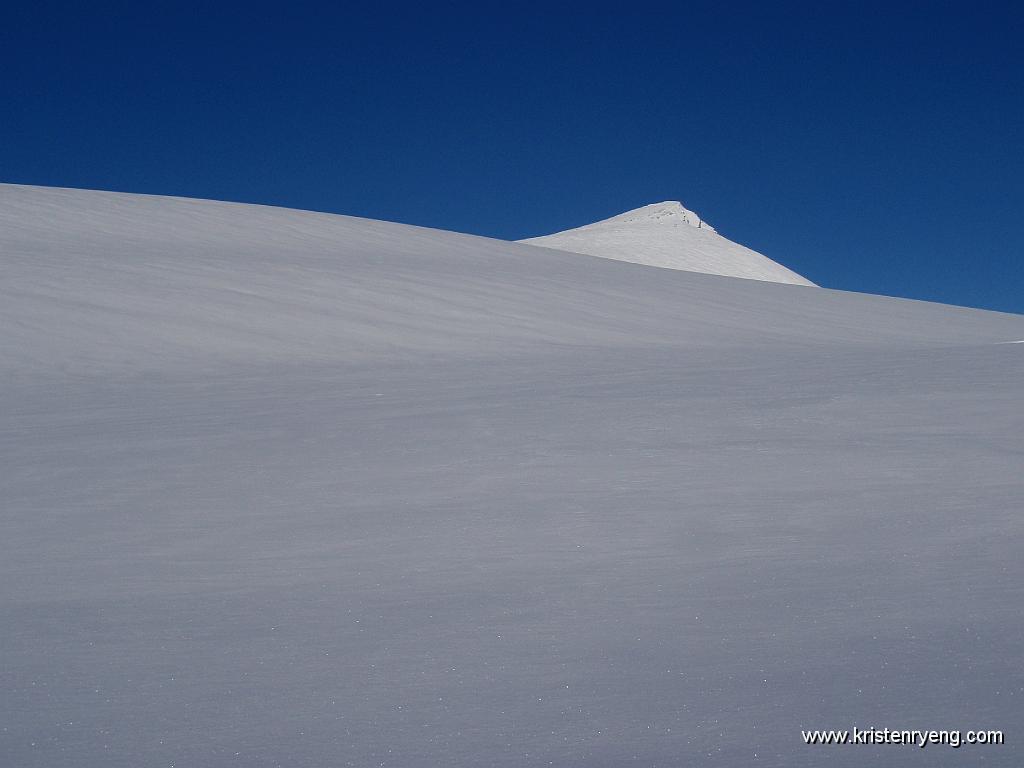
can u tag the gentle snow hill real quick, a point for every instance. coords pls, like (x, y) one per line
(281, 488)
(670, 236)
(97, 280)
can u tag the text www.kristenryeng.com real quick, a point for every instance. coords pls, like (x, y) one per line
(917, 738)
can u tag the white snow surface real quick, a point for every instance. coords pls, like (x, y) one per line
(668, 235)
(287, 488)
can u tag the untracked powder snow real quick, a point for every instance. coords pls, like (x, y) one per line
(282, 488)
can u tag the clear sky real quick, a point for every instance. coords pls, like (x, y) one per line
(869, 146)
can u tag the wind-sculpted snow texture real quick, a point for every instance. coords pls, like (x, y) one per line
(668, 235)
(290, 489)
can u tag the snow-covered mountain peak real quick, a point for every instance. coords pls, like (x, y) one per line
(670, 212)
(670, 236)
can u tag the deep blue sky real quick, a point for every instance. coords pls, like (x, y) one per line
(869, 147)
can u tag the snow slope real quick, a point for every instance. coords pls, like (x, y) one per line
(670, 236)
(285, 488)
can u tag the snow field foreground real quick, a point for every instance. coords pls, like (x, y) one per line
(291, 489)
